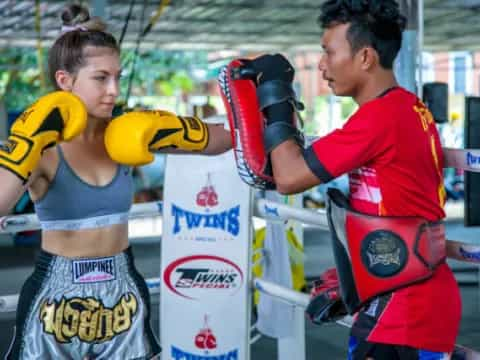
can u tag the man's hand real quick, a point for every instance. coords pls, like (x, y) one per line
(267, 67)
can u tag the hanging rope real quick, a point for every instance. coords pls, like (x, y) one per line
(135, 54)
(38, 29)
(141, 36)
(155, 17)
(127, 20)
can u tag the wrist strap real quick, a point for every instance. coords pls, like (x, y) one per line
(278, 133)
(277, 91)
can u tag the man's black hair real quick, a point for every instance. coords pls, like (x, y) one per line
(375, 23)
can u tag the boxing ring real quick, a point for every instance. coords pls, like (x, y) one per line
(262, 208)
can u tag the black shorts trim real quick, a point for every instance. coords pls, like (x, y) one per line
(145, 294)
(30, 290)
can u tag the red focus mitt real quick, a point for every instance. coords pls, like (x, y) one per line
(246, 126)
(244, 104)
(326, 304)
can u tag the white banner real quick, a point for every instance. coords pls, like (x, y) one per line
(205, 260)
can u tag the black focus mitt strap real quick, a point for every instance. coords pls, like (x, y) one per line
(279, 132)
(277, 91)
(278, 101)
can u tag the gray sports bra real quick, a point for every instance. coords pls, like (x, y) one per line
(72, 204)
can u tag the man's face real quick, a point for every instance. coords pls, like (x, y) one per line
(338, 64)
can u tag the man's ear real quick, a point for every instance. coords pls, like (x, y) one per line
(64, 80)
(368, 58)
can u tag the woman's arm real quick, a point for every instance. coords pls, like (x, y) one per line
(12, 190)
(53, 118)
(133, 137)
(219, 140)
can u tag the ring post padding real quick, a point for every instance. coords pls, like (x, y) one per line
(205, 259)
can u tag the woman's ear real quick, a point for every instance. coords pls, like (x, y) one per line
(64, 80)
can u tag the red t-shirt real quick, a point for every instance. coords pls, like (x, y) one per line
(391, 150)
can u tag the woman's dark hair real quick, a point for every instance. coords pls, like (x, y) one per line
(375, 23)
(79, 30)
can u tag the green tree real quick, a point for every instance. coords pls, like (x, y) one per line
(161, 72)
(156, 72)
(19, 77)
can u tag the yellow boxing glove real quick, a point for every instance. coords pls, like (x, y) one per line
(56, 117)
(131, 137)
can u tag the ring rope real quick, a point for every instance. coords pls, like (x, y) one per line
(269, 210)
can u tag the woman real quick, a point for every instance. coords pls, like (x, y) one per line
(85, 298)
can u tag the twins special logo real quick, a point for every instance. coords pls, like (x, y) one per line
(227, 220)
(472, 160)
(202, 276)
(469, 254)
(384, 253)
(206, 342)
(205, 339)
(179, 354)
(272, 211)
(207, 197)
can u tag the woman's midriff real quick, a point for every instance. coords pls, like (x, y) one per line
(86, 243)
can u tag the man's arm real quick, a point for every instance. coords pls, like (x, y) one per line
(290, 170)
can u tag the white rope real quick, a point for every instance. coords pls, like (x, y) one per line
(8, 303)
(271, 210)
(289, 296)
(466, 159)
(266, 209)
(27, 222)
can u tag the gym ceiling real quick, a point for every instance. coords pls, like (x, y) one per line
(250, 25)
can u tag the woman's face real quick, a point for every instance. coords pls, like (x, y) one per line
(97, 82)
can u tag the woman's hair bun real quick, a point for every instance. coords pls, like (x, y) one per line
(77, 16)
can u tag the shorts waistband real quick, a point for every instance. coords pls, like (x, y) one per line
(84, 269)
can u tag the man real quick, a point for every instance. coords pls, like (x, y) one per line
(391, 151)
